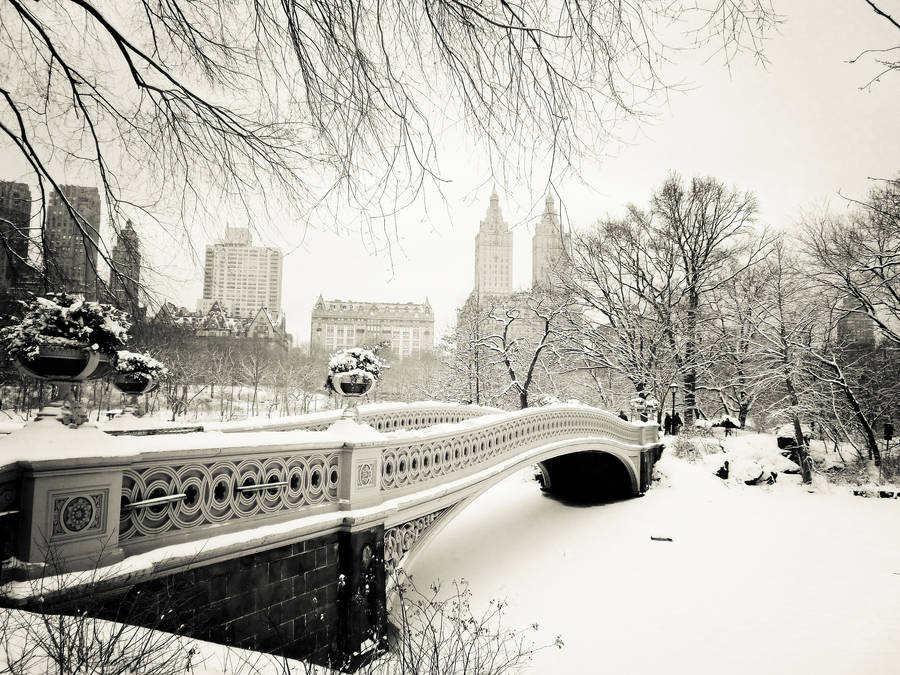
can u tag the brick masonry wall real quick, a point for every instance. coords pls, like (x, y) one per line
(284, 601)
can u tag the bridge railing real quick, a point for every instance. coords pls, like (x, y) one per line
(380, 416)
(119, 496)
(409, 465)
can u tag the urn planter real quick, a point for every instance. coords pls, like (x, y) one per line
(351, 384)
(135, 384)
(65, 364)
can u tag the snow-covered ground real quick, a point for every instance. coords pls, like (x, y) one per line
(766, 579)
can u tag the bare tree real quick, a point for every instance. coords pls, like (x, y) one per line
(706, 227)
(887, 58)
(627, 295)
(784, 325)
(182, 109)
(858, 257)
(652, 276)
(524, 336)
(255, 362)
(731, 371)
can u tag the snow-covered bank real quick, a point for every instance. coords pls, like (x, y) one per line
(766, 579)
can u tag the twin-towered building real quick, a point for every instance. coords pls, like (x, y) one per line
(337, 324)
(494, 250)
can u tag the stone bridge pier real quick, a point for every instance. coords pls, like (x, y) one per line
(281, 541)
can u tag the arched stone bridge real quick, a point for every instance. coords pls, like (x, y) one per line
(281, 538)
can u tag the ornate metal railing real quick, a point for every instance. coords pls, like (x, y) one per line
(405, 464)
(381, 417)
(138, 494)
(161, 497)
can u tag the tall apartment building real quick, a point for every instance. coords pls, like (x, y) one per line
(15, 216)
(125, 277)
(855, 329)
(70, 258)
(337, 324)
(493, 253)
(549, 245)
(241, 277)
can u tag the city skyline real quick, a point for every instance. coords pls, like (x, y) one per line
(799, 131)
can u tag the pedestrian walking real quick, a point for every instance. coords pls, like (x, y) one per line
(667, 424)
(676, 424)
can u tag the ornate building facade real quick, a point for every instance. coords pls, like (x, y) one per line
(216, 324)
(550, 245)
(241, 277)
(493, 253)
(338, 324)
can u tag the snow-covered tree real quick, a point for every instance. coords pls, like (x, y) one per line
(858, 257)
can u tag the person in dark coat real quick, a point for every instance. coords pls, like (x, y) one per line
(623, 416)
(667, 424)
(676, 424)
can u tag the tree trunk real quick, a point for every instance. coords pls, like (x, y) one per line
(802, 454)
(523, 399)
(743, 412)
(868, 432)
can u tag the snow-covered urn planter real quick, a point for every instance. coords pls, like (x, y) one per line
(63, 364)
(352, 372)
(352, 383)
(64, 339)
(137, 373)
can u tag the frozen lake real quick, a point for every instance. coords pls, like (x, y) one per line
(756, 580)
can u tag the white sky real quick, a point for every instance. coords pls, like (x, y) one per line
(796, 132)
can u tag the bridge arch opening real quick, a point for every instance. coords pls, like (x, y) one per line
(586, 477)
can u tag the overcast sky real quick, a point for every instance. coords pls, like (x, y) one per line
(797, 132)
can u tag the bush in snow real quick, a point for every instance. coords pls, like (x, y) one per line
(137, 364)
(693, 447)
(65, 320)
(357, 361)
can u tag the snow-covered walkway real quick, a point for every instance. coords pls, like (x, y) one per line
(756, 579)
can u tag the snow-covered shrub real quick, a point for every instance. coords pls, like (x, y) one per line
(135, 363)
(356, 361)
(65, 320)
(693, 447)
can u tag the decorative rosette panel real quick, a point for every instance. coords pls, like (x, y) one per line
(206, 493)
(409, 464)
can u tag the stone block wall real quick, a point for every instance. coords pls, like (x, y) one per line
(283, 600)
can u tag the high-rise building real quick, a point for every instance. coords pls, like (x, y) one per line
(242, 278)
(70, 257)
(855, 329)
(125, 276)
(15, 214)
(493, 253)
(549, 245)
(338, 324)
